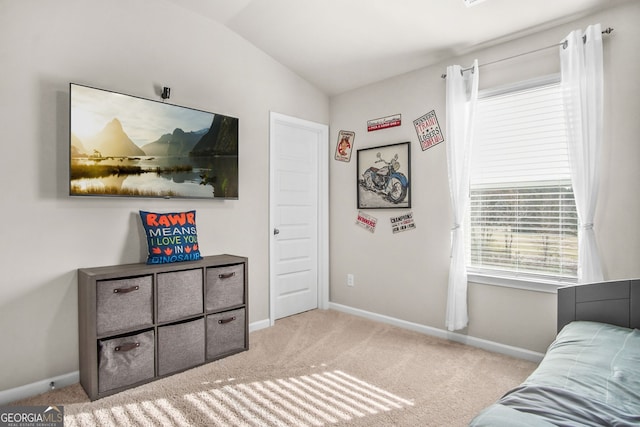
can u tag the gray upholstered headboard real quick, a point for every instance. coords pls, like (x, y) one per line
(616, 302)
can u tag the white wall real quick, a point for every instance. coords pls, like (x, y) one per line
(129, 46)
(405, 275)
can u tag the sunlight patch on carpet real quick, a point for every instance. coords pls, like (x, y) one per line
(309, 400)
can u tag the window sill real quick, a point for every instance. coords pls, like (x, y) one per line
(524, 283)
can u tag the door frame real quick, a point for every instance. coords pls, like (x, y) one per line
(323, 206)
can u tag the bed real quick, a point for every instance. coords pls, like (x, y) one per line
(590, 375)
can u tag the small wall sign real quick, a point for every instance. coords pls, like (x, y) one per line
(366, 221)
(402, 223)
(345, 145)
(384, 122)
(428, 130)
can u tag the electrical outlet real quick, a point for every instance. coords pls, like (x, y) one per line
(350, 281)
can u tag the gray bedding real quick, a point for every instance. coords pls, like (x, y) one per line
(590, 376)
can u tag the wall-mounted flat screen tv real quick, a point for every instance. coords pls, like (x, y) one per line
(123, 145)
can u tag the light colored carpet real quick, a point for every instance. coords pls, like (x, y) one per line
(316, 368)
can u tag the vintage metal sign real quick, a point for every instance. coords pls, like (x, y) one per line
(384, 122)
(345, 145)
(366, 221)
(428, 130)
(402, 223)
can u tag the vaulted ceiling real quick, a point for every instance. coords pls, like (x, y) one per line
(339, 45)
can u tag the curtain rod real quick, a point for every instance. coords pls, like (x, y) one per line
(609, 30)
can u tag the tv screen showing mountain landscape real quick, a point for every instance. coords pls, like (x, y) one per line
(122, 145)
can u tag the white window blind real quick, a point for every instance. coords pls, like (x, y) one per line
(522, 218)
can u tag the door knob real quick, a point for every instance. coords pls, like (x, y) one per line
(276, 231)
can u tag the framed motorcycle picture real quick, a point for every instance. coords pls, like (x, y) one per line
(384, 176)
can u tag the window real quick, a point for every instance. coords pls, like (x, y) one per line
(522, 221)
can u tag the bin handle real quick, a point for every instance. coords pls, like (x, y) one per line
(125, 290)
(227, 320)
(226, 275)
(127, 346)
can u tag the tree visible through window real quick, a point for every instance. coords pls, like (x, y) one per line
(522, 218)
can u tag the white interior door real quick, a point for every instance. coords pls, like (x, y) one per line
(298, 200)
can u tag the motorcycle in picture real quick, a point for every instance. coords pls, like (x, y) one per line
(387, 181)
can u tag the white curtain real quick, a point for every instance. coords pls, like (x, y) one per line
(461, 97)
(582, 85)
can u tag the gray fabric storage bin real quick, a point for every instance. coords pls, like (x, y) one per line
(179, 294)
(225, 333)
(125, 361)
(124, 304)
(225, 287)
(180, 346)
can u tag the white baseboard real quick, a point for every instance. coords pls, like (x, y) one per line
(260, 324)
(38, 387)
(43, 386)
(495, 347)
